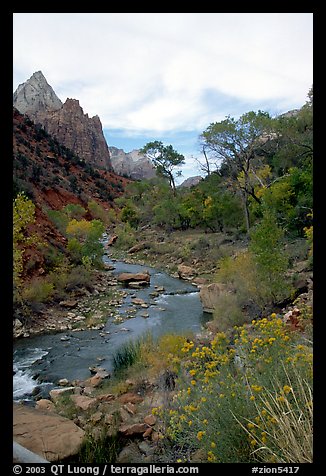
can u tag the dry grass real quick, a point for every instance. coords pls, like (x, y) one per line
(283, 429)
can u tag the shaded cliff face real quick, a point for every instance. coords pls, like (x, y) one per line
(53, 177)
(66, 122)
(131, 164)
(80, 133)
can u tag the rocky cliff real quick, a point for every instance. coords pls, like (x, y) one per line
(191, 181)
(131, 164)
(66, 122)
(36, 98)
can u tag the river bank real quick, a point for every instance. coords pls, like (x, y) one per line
(65, 366)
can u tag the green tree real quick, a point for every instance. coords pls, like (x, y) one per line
(271, 261)
(294, 136)
(165, 159)
(84, 240)
(74, 210)
(239, 145)
(23, 216)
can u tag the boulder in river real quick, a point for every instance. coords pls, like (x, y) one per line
(186, 272)
(128, 278)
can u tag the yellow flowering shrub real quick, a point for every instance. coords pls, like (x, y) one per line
(225, 382)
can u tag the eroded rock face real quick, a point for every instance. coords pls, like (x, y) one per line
(80, 133)
(66, 122)
(132, 164)
(51, 436)
(36, 97)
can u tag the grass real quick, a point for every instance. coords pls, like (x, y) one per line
(126, 355)
(290, 438)
(104, 449)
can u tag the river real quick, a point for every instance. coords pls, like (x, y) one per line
(40, 361)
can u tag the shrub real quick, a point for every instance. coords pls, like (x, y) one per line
(227, 312)
(38, 291)
(73, 210)
(271, 261)
(126, 236)
(60, 220)
(230, 393)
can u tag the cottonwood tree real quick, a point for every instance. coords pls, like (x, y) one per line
(165, 160)
(239, 146)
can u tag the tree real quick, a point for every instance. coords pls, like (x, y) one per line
(239, 145)
(23, 216)
(84, 240)
(270, 258)
(164, 158)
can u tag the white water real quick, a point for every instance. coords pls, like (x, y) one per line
(24, 381)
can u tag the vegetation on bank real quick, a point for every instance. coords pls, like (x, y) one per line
(240, 396)
(242, 392)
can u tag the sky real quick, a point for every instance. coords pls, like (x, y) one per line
(167, 76)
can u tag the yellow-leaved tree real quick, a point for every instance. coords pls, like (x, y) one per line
(23, 216)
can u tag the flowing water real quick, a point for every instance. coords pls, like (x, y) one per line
(40, 361)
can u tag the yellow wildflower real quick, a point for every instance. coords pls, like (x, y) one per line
(213, 444)
(287, 389)
(256, 388)
(210, 456)
(200, 435)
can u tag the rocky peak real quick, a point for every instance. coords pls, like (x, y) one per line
(66, 122)
(36, 97)
(191, 181)
(80, 133)
(132, 164)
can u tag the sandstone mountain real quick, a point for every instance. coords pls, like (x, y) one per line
(53, 176)
(191, 181)
(131, 164)
(36, 98)
(66, 122)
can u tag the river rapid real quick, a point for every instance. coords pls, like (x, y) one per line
(40, 361)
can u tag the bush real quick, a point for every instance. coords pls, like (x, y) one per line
(126, 236)
(271, 261)
(235, 398)
(38, 291)
(59, 219)
(227, 312)
(258, 275)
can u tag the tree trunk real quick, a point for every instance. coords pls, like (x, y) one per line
(172, 183)
(246, 211)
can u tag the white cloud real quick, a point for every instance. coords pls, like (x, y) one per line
(148, 71)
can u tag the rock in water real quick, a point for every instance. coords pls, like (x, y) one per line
(128, 278)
